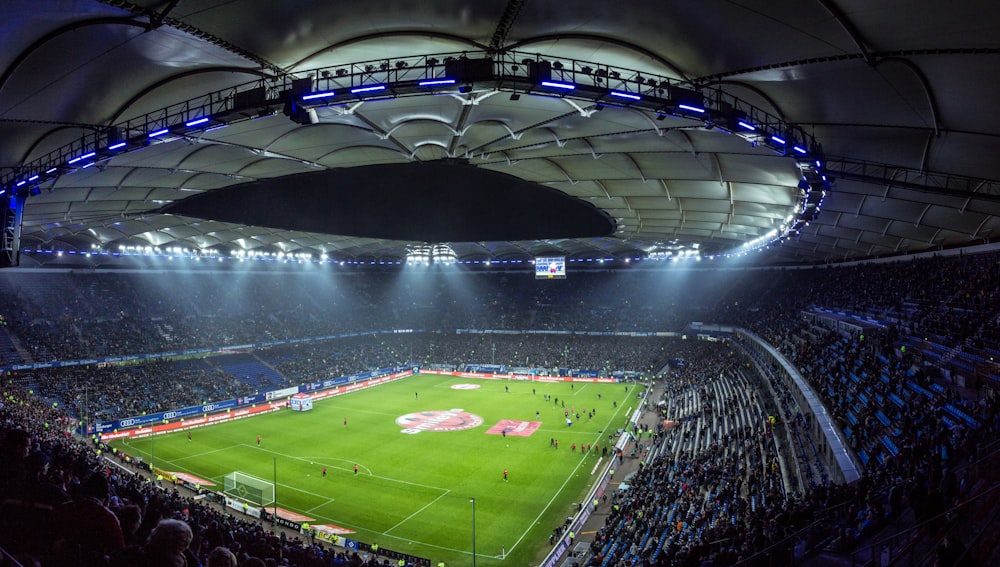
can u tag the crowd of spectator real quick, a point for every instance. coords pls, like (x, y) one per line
(95, 392)
(913, 429)
(719, 486)
(715, 476)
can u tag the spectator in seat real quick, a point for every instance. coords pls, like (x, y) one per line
(86, 531)
(221, 557)
(168, 545)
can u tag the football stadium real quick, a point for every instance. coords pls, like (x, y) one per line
(499, 283)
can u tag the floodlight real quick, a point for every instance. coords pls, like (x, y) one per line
(691, 108)
(558, 85)
(629, 96)
(368, 89)
(436, 82)
(319, 95)
(80, 158)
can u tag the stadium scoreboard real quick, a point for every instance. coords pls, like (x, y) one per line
(550, 268)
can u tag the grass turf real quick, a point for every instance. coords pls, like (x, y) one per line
(412, 491)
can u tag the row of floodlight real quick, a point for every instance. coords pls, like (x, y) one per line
(680, 101)
(413, 258)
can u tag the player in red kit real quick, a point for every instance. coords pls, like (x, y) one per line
(505, 475)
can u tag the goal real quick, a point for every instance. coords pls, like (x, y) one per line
(249, 488)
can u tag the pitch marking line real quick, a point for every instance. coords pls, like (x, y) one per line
(356, 409)
(318, 506)
(557, 492)
(411, 516)
(362, 469)
(396, 480)
(195, 455)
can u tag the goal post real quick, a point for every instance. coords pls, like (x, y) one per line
(249, 488)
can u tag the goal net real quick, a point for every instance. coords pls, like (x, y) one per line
(249, 488)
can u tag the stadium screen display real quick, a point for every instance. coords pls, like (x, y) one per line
(550, 268)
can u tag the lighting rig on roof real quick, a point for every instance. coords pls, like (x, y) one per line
(427, 254)
(594, 85)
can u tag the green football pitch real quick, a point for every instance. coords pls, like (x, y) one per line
(422, 457)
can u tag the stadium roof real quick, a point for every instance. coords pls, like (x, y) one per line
(892, 102)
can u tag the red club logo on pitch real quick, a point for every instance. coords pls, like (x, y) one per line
(437, 420)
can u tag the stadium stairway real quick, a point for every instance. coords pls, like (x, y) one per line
(9, 351)
(623, 472)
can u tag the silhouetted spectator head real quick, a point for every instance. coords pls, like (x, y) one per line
(17, 444)
(96, 487)
(167, 543)
(221, 557)
(129, 516)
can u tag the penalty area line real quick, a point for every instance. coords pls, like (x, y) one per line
(385, 478)
(411, 516)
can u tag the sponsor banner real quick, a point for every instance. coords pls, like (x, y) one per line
(139, 421)
(528, 377)
(285, 523)
(392, 554)
(167, 475)
(320, 395)
(438, 420)
(241, 506)
(282, 393)
(330, 533)
(486, 368)
(473, 375)
(191, 478)
(551, 379)
(180, 425)
(384, 375)
(515, 428)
